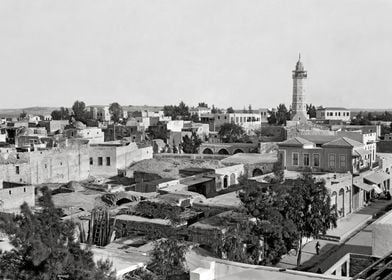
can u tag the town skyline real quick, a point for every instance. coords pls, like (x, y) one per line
(237, 54)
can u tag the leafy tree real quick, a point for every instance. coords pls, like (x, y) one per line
(177, 112)
(61, 114)
(215, 110)
(250, 110)
(267, 205)
(167, 259)
(308, 206)
(203, 105)
(116, 112)
(311, 110)
(230, 110)
(45, 247)
(231, 132)
(22, 115)
(272, 117)
(79, 111)
(190, 145)
(282, 115)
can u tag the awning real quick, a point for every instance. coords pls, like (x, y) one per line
(377, 189)
(363, 186)
(361, 152)
(378, 177)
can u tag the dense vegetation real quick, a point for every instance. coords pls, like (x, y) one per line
(45, 247)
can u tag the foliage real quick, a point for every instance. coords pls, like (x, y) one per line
(280, 116)
(168, 258)
(150, 209)
(215, 110)
(231, 132)
(45, 247)
(140, 274)
(190, 145)
(116, 112)
(158, 132)
(177, 112)
(203, 105)
(79, 111)
(266, 204)
(308, 206)
(61, 114)
(311, 110)
(250, 110)
(230, 110)
(22, 115)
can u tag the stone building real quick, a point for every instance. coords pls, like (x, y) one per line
(333, 113)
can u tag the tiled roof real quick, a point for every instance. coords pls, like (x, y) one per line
(296, 141)
(343, 142)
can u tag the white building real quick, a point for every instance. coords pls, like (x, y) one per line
(79, 130)
(333, 113)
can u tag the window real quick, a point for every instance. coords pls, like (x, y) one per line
(100, 161)
(9, 192)
(295, 159)
(17, 169)
(331, 160)
(306, 160)
(342, 161)
(316, 160)
(107, 161)
(46, 166)
(91, 161)
(24, 189)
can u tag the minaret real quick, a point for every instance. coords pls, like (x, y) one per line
(299, 105)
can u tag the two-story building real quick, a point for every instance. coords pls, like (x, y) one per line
(333, 114)
(338, 155)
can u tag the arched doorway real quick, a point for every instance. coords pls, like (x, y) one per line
(225, 181)
(341, 209)
(348, 195)
(257, 172)
(223, 152)
(238, 151)
(207, 151)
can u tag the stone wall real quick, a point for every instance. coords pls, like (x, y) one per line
(13, 198)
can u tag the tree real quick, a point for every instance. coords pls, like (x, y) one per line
(230, 110)
(272, 117)
(158, 132)
(116, 112)
(22, 115)
(308, 206)
(203, 105)
(45, 247)
(250, 110)
(267, 205)
(61, 114)
(311, 110)
(190, 145)
(177, 112)
(215, 110)
(167, 259)
(79, 111)
(282, 115)
(231, 132)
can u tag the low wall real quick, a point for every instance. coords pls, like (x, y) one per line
(191, 156)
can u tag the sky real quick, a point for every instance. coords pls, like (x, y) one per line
(222, 52)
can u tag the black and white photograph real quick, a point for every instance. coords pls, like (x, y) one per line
(195, 139)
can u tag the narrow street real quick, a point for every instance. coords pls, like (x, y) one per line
(360, 242)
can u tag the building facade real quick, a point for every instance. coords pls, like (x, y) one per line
(333, 113)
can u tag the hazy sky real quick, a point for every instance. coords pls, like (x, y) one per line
(223, 52)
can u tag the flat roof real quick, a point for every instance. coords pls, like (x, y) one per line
(251, 158)
(193, 181)
(139, 219)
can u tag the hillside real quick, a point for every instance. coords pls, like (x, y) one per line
(31, 110)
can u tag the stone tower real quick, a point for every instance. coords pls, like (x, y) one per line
(299, 105)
